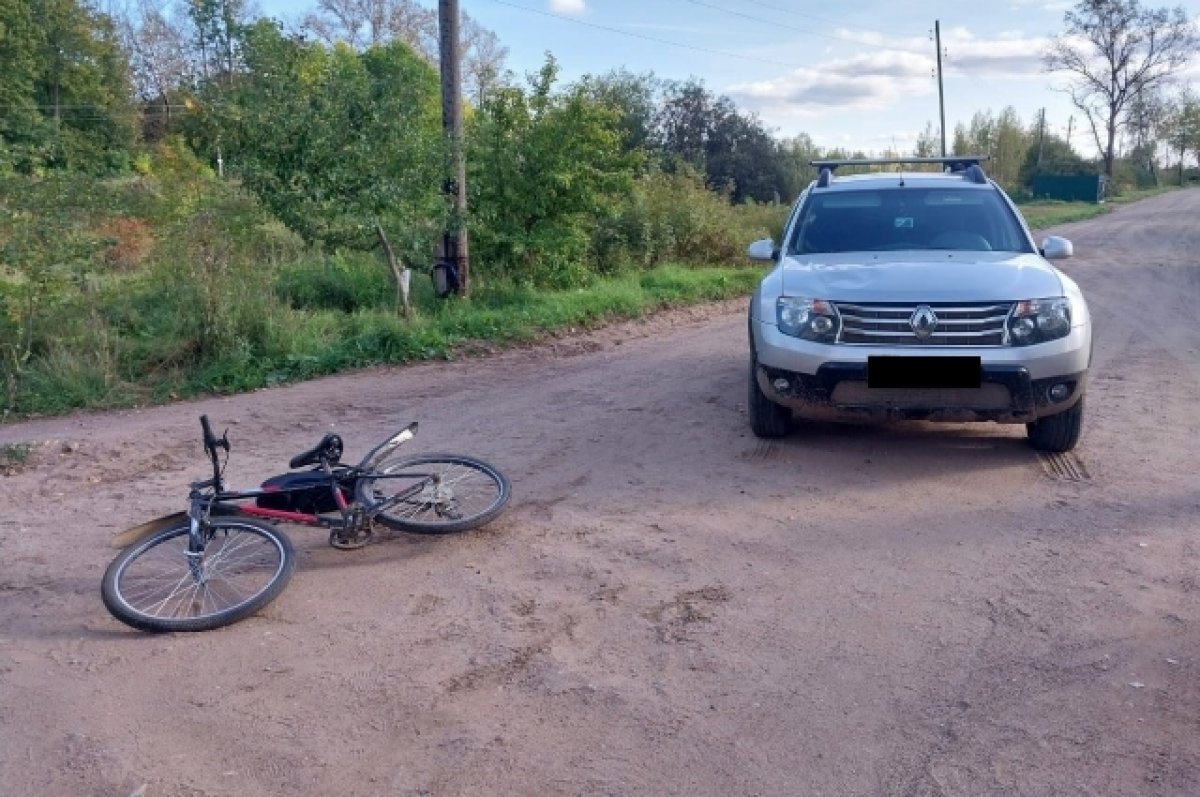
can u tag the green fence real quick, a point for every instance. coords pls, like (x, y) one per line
(1070, 188)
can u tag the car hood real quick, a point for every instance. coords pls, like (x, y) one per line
(920, 276)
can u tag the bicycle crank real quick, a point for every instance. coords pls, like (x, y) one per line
(351, 538)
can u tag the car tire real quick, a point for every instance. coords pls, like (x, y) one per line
(1057, 433)
(767, 419)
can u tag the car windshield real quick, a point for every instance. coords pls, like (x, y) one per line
(894, 218)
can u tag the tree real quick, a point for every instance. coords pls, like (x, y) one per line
(482, 60)
(21, 128)
(961, 144)
(741, 157)
(65, 87)
(1182, 126)
(1114, 50)
(337, 144)
(708, 133)
(684, 119)
(797, 154)
(545, 167)
(632, 98)
(1052, 155)
(1010, 143)
(1145, 117)
(366, 23)
(928, 142)
(217, 26)
(159, 63)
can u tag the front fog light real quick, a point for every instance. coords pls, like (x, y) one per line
(1060, 392)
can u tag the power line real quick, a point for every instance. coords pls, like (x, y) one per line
(92, 107)
(805, 31)
(644, 37)
(814, 17)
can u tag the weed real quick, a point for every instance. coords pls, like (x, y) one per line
(14, 457)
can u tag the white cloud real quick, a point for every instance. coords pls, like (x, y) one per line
(1042, 5)
(575, 7)
(1009, 55)
(873, 80)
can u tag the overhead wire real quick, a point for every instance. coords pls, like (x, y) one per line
(644, 37)
(806, 31)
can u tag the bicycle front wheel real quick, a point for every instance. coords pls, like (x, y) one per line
(156, 585)
(434, 493)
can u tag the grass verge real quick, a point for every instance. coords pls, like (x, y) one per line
(1043, 214)
(292, 344)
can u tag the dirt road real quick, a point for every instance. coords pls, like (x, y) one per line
(670, 606)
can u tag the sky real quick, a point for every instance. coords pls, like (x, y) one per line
(856, 74)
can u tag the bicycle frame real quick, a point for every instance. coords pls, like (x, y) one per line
(350, 514)
(228, 501)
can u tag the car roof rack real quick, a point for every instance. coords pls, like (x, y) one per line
(967, 164)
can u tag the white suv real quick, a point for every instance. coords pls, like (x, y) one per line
(916, 295)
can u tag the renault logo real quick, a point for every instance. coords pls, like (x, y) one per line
(923, 321)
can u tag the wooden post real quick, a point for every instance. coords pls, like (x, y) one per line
(453, 248)
(401, 275)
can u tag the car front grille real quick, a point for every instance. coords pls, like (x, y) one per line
(890, 324)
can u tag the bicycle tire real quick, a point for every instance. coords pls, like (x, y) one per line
(150, 586)
(472, 493)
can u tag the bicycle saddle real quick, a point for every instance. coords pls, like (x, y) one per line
(329, 449)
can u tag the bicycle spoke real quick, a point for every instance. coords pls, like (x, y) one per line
(235, 567)
(435, 493)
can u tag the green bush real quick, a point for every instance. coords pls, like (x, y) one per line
(346, 282)
(673, 217)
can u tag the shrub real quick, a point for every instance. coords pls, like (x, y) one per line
(346, 282)
(673, 217)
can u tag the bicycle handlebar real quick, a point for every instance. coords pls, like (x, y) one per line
(210, 440)
(211, 444)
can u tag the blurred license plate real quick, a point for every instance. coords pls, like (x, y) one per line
(923, 372)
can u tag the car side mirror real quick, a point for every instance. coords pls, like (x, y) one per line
(763, 251)
(1056, 248)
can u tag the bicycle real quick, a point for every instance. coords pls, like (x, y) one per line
(223, 559)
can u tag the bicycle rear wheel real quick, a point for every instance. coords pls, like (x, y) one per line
(155, 586)
(434, 493)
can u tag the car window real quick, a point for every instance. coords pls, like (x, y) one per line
(885, 219)
(795, 211)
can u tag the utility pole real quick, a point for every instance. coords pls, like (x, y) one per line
(937, 38)
(452, 255)
(1041, 136)
(1070, 125)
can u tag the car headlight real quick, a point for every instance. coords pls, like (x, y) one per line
(1039, 320)
(810, 319)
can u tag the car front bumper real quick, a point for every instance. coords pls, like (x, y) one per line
(829, 381)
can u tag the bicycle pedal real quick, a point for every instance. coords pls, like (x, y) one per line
(356, 539)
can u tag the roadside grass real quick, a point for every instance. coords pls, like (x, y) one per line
(1043, 214)
(285, 344)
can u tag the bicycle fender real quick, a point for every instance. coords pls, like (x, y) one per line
(381, 451)
(150, 527)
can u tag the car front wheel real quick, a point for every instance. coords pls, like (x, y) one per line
(1057, 433)
(767, 419)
